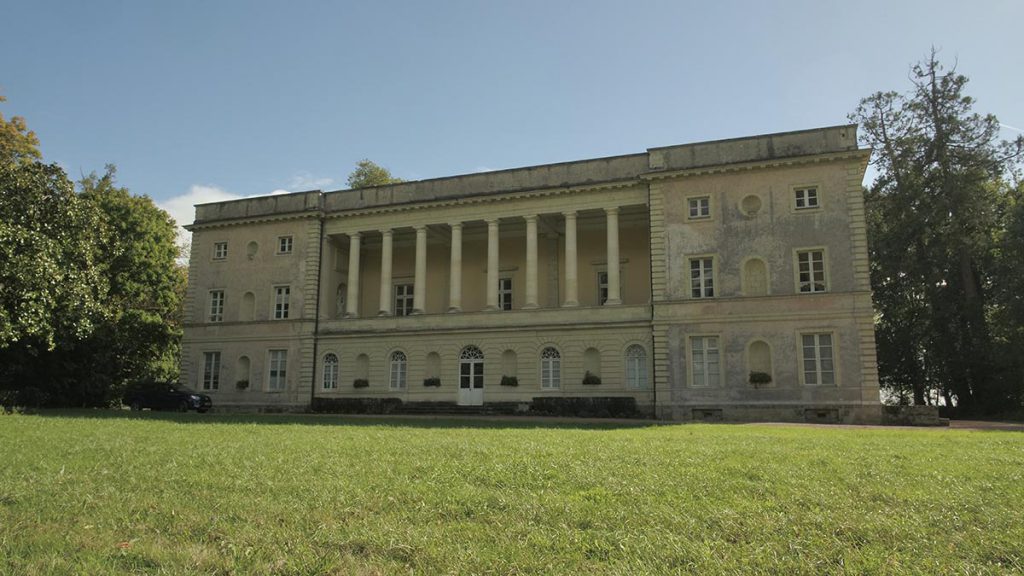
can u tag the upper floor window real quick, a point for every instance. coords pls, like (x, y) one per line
(403, 299)
(399, 365)
(811, 271)
(806, 197)
(550, 368)
(284, 245)
(705, 368)
(211, 370)
(282, 294)
(330, 381)
(220, 250)
(278, 370)
(216, 305)
(702, 281)
(700, 207)
(505, 293)
(602, 287)
(818, 362)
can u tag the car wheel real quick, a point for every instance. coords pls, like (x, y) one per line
(183, 407)
(202, 410)
(136, 406)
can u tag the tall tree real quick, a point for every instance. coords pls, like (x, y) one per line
(368, 174)
(935, 210)
(18, 144)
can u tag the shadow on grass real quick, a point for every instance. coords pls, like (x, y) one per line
(397, 421)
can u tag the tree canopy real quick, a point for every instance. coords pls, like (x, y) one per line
(936, 214)
(368, 174)
(17, 143)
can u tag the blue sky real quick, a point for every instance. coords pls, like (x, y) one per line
(201, 101)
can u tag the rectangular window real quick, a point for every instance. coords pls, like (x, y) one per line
(602, 288)
(700, 207)
(216, 305)
(403, 299)
(806, 198)
(505, 293)
(220, 250)
(705, 369)
(284, 244)
(811, 271)
(702, 282)
(278, 372)
(282, 294)
(819, 366)
(211, 370)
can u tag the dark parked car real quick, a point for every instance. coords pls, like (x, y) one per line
(167, 396)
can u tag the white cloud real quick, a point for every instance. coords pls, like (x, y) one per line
(304, 181)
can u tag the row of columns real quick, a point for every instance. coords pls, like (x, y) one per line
(455, 278)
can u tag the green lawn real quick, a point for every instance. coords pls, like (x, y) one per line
(94, 493)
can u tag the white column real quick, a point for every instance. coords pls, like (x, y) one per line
(352, 298)
(419, 291)
(385, 273)
(531, 261)
(613, 257)
(455, 274)
(492, 265)
(572, 297)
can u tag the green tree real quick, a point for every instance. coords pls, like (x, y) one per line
(935, 211)
(18, 144)
(368, 174)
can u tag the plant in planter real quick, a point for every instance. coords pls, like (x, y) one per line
(591, 379)
(509, 381)
(432, 381)
(360, 383)
(242, 384)
(759, 379)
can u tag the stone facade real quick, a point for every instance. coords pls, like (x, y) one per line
(741, 290)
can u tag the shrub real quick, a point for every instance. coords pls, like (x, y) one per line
(355, 405)
(759, 378)
(601, 407)
(242, 384)
(591, 379)
(509, 381)
(360, 383)
(432, 381)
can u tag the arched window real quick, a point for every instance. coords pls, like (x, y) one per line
(471, 368)
(330, 371)
(550, 368)
(399, 365)
(636, 367)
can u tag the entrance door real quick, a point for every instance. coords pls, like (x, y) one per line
(471, 377)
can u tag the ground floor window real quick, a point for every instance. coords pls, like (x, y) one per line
(550, 368)
(399, 365)
(278, 372)
(636, 367)
(471, 368)
(211, 370)
(704, 360)
(819, 366)
(330, 372)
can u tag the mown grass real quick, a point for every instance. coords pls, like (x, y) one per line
(187, 494)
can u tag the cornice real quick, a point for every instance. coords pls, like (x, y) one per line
(304, 215)
(860, 154)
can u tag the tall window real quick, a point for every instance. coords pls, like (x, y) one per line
(471, 368)
(330, 371)
(806, 198)
(220, 250)
(704, 360)
(550, 368)
(211, 370)
(700, 207)
(281, 296)
(505, 293)
(811, 271)
(819, 368)
(403, 299)
(702, 282)
(636, 367)
(602, 287)
(216, 305)
(278, 372)
(284, 245)
(399, 365)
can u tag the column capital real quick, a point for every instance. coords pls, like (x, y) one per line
(455, 225)
(491, 221)
(569, 214)
(355, 234)
(386, 231)
(612, 210)
(420, 228)
(530, 217)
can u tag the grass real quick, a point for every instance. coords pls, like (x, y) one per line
(112, 492)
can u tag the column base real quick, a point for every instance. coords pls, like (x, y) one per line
(384, 313)
(350, 315)
(610, 302)
(454, 309)
(570, 304)
(416, 312)
(492, 309)
(530, 307)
